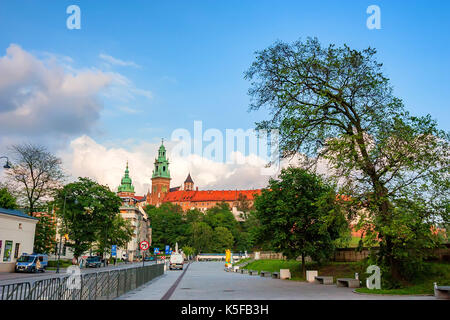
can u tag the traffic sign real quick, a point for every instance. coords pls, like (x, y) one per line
(163, 257)
(113, 250)
(156, 251)
(144, 245)
(167, 250)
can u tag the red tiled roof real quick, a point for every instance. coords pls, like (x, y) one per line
(209, 195)
(139, 197)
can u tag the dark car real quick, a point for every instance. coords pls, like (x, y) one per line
(93, 262)
(150, 258)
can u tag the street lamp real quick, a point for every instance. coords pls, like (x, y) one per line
(8, 164)
(60, 239)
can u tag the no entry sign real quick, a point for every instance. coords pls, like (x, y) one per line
(144, 245)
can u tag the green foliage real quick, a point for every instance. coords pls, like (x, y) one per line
(222, 239)
(45, 235)
(421, 284)
(168, 226)
(212, 231)
(201, 237)
(89, 214)
(299, 215)
(334, 104)
(118, 232)
(189, 251)
(7, 200)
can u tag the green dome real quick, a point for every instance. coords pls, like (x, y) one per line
(126, 183)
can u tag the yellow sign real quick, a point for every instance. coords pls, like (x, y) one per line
(227, 257)
(66, 236)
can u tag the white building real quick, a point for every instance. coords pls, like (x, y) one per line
(17, 231)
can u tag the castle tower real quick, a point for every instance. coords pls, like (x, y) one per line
(189, 183)
(126, 188)
(160, 177)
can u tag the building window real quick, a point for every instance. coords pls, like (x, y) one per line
(16, 251)
(8, 248)
(20, 226)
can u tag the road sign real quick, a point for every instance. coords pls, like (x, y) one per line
(144, 245)
(156, 251)
(167, 250)
(163, 257)
(114, 251)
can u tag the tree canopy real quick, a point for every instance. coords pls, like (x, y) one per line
(300, 216)
(335, 104)
(90, 215)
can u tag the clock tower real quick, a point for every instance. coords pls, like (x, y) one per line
(160, 177)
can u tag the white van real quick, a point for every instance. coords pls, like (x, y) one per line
(176, 261)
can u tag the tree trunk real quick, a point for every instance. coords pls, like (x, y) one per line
(303, 265)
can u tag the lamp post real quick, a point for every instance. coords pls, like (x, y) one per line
(8, 164)
(60, 239)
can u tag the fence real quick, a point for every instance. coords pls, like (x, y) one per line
(104, 285)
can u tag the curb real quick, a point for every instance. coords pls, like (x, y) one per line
(390, 295)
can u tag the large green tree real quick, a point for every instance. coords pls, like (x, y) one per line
(88, 211)
(300, 216)
(335, 104)
(167, 224)
(118, 232)
(222, 239)
(201, 237)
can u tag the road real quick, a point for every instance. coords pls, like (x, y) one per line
(10, 277)
(209, 281)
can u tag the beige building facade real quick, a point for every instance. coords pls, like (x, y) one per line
(17, 231)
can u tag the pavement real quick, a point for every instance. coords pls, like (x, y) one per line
(13, 277)
(209, 281)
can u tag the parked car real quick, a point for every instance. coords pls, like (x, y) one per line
(149, 258)
(93, 262)
(29, 263)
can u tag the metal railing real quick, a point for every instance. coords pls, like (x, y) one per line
(104, 285)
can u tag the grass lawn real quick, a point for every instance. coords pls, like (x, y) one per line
(437, 272)
(241, 261)
(335, 269)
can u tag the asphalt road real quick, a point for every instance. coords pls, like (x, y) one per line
(209, 281)
(12, 277)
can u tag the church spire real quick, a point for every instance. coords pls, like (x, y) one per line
(161, 169)
(126, 182)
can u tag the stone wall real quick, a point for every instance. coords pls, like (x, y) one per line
(352, 255)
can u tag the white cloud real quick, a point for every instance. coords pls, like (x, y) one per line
(118, 62)
(43, 98)
(106, 164)
(38, 98)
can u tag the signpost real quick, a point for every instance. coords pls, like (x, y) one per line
(167, 249)
(156, 252)
(144, 245)
(114, 252)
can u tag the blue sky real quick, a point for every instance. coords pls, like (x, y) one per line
(192, 54)
(185, 59)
